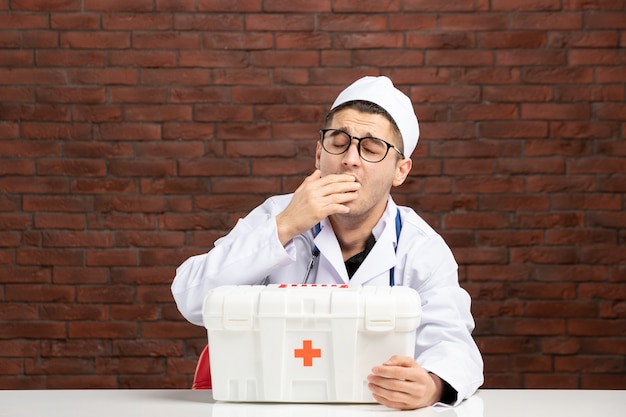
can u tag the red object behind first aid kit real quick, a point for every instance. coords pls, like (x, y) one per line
(202, 376)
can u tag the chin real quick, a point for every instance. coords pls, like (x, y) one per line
(355, 212)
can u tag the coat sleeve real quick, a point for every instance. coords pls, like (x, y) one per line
(444, 343)
(246, 256)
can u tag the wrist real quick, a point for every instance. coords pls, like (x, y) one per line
(438, 388)
(444, 392)
(285, 235)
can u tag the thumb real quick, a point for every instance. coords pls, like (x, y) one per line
(397, 360)
(316, 175)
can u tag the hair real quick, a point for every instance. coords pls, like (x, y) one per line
(364, 106)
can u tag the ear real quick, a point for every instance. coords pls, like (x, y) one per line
(318, 154)
(403, 167)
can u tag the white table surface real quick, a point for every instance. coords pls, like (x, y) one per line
(188, 403)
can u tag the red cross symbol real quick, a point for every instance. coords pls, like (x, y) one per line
(307, 353)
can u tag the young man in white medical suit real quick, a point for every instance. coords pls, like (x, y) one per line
(341, 226)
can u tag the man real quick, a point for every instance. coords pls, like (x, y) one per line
(341, 226)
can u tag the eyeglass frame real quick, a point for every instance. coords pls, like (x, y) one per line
(358, 146)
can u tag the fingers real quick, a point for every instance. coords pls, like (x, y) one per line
(397, 374)
(393, 399)
(397, 360)
(401, 383)
(398, 367)
(397, 394)
(316, 175)
(322, 195)
(316, 198)
(330, 184)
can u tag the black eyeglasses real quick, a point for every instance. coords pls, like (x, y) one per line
(337, 141)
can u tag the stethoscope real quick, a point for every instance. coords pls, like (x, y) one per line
(315, 253)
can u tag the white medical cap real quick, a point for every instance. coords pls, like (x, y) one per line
(381, 91)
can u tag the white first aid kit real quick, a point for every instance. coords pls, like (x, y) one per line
(305, 343)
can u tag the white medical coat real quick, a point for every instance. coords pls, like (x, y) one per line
(252, 254)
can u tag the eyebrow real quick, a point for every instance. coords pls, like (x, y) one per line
(367, 135)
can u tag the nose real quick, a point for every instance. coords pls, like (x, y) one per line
(351, 156)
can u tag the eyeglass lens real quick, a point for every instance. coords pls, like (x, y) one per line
(371, 149)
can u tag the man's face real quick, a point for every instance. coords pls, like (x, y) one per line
(376, 179)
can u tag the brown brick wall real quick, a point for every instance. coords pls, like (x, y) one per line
(133, 133)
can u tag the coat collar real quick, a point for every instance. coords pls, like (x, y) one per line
(377, 264)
